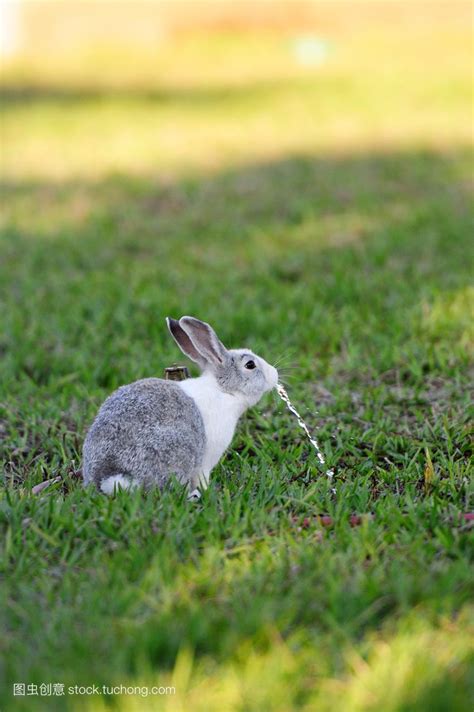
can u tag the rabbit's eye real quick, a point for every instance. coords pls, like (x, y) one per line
(250, 365)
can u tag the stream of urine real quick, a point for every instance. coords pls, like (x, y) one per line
(285, 398)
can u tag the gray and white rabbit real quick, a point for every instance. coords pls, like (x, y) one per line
(152, 429)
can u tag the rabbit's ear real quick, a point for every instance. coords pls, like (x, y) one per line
(204, 340)
(184, 342)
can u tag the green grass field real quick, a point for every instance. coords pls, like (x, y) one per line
(319, 216)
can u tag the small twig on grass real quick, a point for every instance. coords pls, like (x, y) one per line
(42, 485)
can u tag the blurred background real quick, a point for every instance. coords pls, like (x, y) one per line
(176, 85)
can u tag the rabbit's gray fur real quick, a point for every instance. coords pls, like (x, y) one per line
(135, 435)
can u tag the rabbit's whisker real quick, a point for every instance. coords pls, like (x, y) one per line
(283, 356)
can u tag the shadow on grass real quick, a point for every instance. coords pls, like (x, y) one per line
(337, 258)
(396, 213)
(15, 94)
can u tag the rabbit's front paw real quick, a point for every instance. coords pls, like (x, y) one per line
(194, 496)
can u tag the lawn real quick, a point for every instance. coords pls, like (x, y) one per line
(321, 216)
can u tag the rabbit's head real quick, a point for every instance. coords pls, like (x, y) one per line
(239, 372)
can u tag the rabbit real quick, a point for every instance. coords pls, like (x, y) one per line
(149, 430)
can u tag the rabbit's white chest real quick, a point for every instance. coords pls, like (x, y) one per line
(220, 413)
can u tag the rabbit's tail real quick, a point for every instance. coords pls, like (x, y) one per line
(115, 482)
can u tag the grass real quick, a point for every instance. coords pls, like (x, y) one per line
(324, 216)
